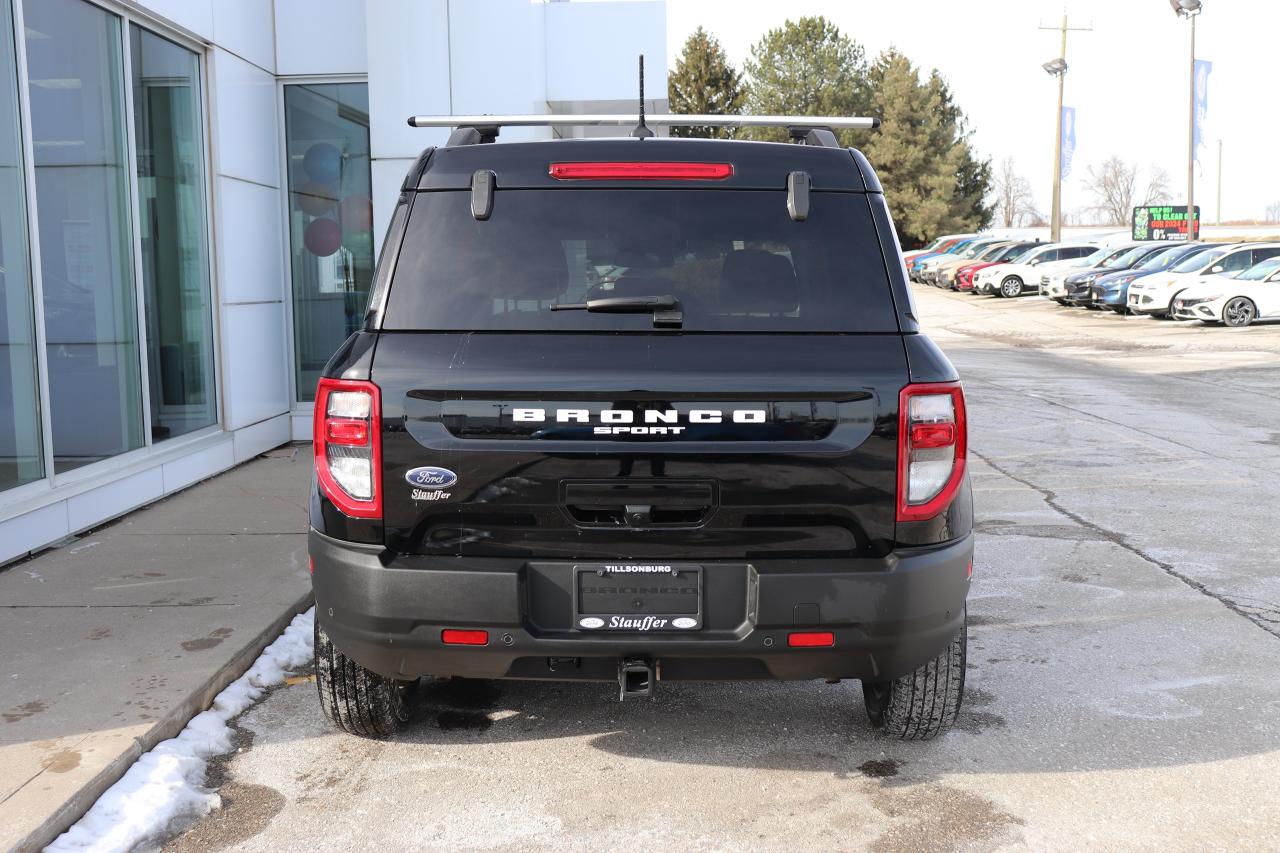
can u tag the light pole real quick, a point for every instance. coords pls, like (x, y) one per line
(1057, 68)
(1189, 9)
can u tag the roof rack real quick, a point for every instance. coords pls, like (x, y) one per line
(480, 129)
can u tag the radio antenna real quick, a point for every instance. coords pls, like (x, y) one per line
(641, 131)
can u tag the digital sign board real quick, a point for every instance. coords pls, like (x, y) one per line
(1163, 222)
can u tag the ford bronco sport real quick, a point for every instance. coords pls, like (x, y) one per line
(641, 410)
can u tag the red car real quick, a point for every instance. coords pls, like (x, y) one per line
(964, 275)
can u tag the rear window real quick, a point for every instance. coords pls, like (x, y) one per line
(735, 259)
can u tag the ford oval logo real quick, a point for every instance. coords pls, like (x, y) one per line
(684, 622)
(591, 622)
(431, 477)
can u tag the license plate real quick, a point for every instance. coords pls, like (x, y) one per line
(637, 597)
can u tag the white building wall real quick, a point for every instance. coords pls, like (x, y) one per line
(582, 65)
(250, 247)
(320, 37)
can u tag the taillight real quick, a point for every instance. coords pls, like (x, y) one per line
(347, 443)
(932, 443)
(641, 171)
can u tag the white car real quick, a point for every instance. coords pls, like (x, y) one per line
(1053, 277)
(1024, 276)
(1154, 294)
(1252, 295)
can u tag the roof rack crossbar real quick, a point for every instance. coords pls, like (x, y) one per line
(660, 120)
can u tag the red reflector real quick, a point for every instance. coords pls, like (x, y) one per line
(641, 171)
(311, 564)
(456, 637)
(968, 573)
(346, 432)
(811, 639)
(924, 436)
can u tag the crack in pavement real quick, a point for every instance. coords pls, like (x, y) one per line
(1051, 500)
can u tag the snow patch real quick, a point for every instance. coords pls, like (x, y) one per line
(166, 785)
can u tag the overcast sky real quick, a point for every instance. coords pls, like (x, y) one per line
(1127, 80)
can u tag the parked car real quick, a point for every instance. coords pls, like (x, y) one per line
(1075, 288)
(1154, 294)
(1009, 254)
(1051, 280)
(1022, 277)
(1112, 291)
(945, 274)
(937, 244)
(787, 497)
(916, 264)
(931, 270)
(1251, 295)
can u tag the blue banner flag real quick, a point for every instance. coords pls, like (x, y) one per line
(1068, 139)
(1203, 67)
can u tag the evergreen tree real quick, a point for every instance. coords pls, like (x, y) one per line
(933, 181)
(704, 82)
(807, 67)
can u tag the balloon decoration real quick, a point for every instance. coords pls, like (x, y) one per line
(356, 214)
(321, 193)
(323, 237)
(323, 162)
(315, 198)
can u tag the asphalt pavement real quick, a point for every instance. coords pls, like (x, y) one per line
(1124, 646)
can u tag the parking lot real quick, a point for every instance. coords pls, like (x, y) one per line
(1124, 643)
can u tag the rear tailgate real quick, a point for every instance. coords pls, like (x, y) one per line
(714, 447)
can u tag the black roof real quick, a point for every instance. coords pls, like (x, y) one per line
(756, 165)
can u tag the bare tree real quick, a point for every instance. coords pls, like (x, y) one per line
(1013, 201)
(1158, 191)
(1113, 186)
(1273, 212)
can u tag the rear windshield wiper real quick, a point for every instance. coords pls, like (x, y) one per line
(665, 309)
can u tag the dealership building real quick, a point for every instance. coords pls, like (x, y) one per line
(192, 197)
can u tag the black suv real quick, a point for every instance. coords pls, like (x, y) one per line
(641, 409)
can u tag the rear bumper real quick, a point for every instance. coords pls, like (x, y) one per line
(889, 616)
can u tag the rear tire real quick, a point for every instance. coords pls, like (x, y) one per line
(354, 699)
(923, 704)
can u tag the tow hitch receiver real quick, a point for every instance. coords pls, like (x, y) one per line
(635, 678)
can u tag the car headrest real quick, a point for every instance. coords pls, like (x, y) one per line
(754, 281)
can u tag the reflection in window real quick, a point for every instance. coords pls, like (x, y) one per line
(330, 219)
(20, 457)
(77, 124)
(175, 264)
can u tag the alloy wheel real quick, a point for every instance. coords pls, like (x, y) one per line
(1239, 312)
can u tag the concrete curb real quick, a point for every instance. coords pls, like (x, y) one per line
(167, 726)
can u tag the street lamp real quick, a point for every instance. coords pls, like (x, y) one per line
(1057, 68)
(1189, 9)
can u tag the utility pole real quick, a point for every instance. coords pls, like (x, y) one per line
(1217, 220)
(1191, 139)
(1058, 68)
(1190, 9)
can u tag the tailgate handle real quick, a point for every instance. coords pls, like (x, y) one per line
(613, 504)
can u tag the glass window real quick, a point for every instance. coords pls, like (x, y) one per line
(20, 454)
(1234, 262)
(175, 258)
(74, 61)
(330, 219)
(735, 260)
